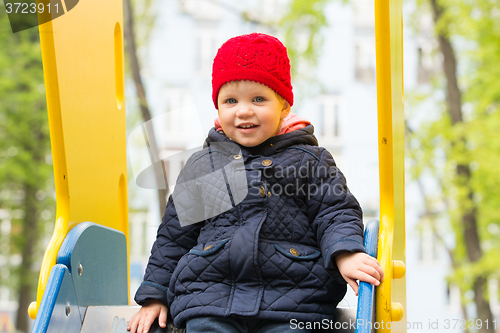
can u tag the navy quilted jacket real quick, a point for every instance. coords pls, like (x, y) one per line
(268, 253)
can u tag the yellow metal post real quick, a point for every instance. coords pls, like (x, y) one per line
(82, 53)
(391, 294)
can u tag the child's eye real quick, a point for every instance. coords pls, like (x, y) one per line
(259, 99)
(231, 101)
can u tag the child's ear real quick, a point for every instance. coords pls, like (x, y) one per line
(286, 110)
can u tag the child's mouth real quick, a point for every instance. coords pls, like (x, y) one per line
(247, 128)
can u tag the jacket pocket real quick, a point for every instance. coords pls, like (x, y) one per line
(209, 248)
(297, 251)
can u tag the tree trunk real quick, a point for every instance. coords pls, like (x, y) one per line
(131, 48)
(26, 275)
(469, 217)
(430, 214)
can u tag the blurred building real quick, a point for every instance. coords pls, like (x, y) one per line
(341, 104)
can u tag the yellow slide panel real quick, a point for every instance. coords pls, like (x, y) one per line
(82, 53)
(391, 294)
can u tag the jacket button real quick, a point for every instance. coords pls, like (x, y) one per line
(294, 252)
(262, 191)
(209, 246)
(267, 162)
(268, 193)
(237, 157)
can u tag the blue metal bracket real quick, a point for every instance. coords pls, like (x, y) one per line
(91, 269)
(366, 297)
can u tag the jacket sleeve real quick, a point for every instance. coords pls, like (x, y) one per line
(172, 240)
(337, 215)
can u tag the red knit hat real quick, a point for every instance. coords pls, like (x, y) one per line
(255, 57)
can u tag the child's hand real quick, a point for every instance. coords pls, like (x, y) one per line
(141, 322)
(359, 266)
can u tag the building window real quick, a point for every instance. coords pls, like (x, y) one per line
(428, 244)
(453, 297)
(364, 55)
(176, 99)
(206, 46)
(201, 9)
(330, 110)
(427, 63)
(364, 41)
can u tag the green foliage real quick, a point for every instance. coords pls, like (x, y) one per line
(26, 177)
(145, 13)
(302, 24)
(438, 146)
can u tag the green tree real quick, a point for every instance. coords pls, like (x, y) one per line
(26, 177)
(461, 148)
(302, 24)
(146, 18)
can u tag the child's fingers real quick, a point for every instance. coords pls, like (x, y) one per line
(372, 262)
(376, 265)
(365, 277)
(162, 319)
(373, 259)
(370, 271)
(364, 274)
(148, 321)
(380, 271)
(132, 324)
(135, 323)
(354, 285)
(129, 324)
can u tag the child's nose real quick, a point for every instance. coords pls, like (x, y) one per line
(244, 110)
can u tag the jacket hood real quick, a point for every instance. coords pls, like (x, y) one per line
(276, 143)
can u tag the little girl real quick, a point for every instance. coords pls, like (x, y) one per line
(261, 227)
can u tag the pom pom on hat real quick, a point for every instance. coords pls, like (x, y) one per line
(255, 57)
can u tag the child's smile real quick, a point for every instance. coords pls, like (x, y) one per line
(250, 112)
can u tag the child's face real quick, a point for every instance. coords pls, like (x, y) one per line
(243, 103)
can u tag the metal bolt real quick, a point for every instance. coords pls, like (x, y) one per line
(80, 269)
(68, 309)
